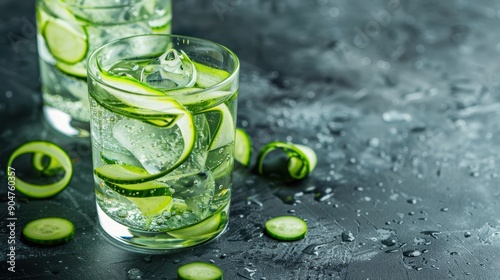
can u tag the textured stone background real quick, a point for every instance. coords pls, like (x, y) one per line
(400, 99)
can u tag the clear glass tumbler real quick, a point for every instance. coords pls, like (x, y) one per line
(163, 114)
(68, 31)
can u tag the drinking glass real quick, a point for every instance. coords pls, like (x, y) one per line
(162, 115)
(68, 31)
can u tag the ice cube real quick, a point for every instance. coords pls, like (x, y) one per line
(127, 68)
(171, 70)
(157, 148)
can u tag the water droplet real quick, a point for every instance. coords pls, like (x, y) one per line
(135, 273)
(421, 241)
(347, 236)
(392, 251)
(166, 214)
(122, 213)
(312, 249)
(389, 242)
(223, 256)
(474, 174)
(454, 253)
(432, 233)
(412, 201)
(374, 142)
(412, 253)
(396, 116)
(467, 234)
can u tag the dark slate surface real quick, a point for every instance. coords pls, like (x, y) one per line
(400, 99)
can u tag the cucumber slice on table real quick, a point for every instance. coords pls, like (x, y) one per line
(49, 231)
(301, 159)
(199, 271)
(58, 158)
(286, 228)
(66, 42)
(243, 147)
(47, 165)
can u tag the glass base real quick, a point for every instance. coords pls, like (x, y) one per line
(151, 242)
(65, 124)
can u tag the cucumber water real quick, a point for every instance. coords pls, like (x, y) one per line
(163, 133)
(68, 31)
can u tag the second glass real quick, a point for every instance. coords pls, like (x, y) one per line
(163, 115)
(68, 31)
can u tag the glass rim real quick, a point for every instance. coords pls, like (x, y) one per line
(104, 7)
(93, 60)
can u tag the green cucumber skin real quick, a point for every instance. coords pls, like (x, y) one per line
(185, 272)
(31, 235)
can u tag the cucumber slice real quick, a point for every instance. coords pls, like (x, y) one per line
(49, 231)
(161, 25)
(66, 42)
(152, 106)
(208, 76)
(152, 206)
(199, 271)
(224, 133)
(301, 159)
(75, 70)
(45, 164)
(55, 153)
(201, 229)
(286, 228)
(243, 147)
(147, 189)
(126, 174)
(112, 157)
